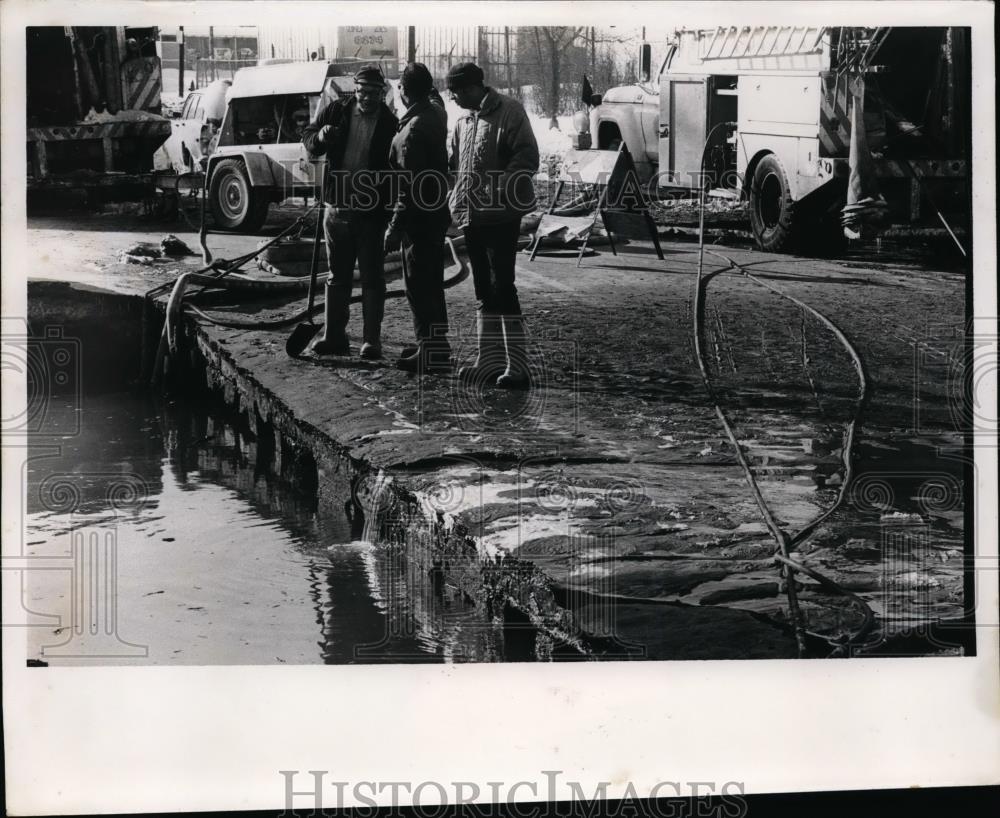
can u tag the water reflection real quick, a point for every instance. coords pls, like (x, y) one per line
(219, 561)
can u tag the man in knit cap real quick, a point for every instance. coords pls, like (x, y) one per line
(355, 136)
(494, 155)
(420, 216)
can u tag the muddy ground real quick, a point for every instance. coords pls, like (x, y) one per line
(613, 474)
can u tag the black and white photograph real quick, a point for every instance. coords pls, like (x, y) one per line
(459, 338)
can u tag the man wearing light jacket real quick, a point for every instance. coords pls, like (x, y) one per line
(494, 155)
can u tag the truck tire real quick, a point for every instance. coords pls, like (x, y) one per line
(235, 204)
(772, 209)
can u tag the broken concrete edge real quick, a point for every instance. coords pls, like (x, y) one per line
(508, 587)
(435, 540)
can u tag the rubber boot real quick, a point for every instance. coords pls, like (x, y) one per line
(489, 355)
(430, 356)
(515, 375)
(337, 311)
(372, 308)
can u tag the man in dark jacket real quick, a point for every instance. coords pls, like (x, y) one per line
(494, 155)
(355, 136)
(420, 215)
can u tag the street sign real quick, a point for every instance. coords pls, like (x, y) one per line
(376, 43)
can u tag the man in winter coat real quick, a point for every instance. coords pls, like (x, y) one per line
(355, 136)
(494, 155)
(420, 215)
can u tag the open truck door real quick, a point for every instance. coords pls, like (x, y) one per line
(683, 127)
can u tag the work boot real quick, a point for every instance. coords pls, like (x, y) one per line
(337, 311)
(490, 359)
(428, 357)
(372, 308)
(515, 375)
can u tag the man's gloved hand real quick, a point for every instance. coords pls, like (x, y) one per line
(393, 239)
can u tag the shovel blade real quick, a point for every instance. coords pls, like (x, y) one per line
(299, 339)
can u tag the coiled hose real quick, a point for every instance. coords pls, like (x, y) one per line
(785, 542)
(223, 270)
(288, 320)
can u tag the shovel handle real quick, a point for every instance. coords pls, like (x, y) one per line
(321, 215)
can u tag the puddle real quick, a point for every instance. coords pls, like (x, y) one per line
(211, 558)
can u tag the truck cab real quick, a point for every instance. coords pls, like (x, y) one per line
(631, 114)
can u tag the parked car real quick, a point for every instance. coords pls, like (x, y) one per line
(259, 157)
(186, 149)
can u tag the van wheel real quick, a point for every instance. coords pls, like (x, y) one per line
(234, 203)
(772, 210)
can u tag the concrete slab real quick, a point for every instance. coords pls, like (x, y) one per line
(612, 474)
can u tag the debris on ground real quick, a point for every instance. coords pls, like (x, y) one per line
(170, 245)
(94, 117)
(723, 193)
(142, 253)
(148, 253)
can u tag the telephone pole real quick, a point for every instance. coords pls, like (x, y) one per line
(180, 64)
(211, 50)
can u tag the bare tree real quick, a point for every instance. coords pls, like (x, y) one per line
(551, 44)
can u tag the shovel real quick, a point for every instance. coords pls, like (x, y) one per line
(304, 333)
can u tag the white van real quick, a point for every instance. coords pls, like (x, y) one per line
(259, 157)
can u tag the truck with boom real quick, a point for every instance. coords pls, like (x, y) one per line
(767, 111)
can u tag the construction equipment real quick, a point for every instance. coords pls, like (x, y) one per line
(93, 110)
(791, 92)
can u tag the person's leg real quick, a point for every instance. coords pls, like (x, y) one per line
(437, 304)
(411, 285)
(503, 258)
(479, 259)
(369, 234)
(341, 252)
(501, 244)
(424, 275)
(489, 337)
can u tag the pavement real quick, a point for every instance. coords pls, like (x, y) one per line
(612, 475)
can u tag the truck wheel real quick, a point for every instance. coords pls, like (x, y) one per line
(772, 210)
(234, 202)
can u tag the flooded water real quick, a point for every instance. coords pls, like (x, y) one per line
(169, 543)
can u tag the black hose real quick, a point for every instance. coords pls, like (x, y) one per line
(277, 323)
(223, 267)
(785, 542)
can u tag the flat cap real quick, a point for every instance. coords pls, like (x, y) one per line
(369, 74)
(465, 73)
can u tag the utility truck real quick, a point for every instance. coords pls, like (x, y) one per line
(766, 111)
